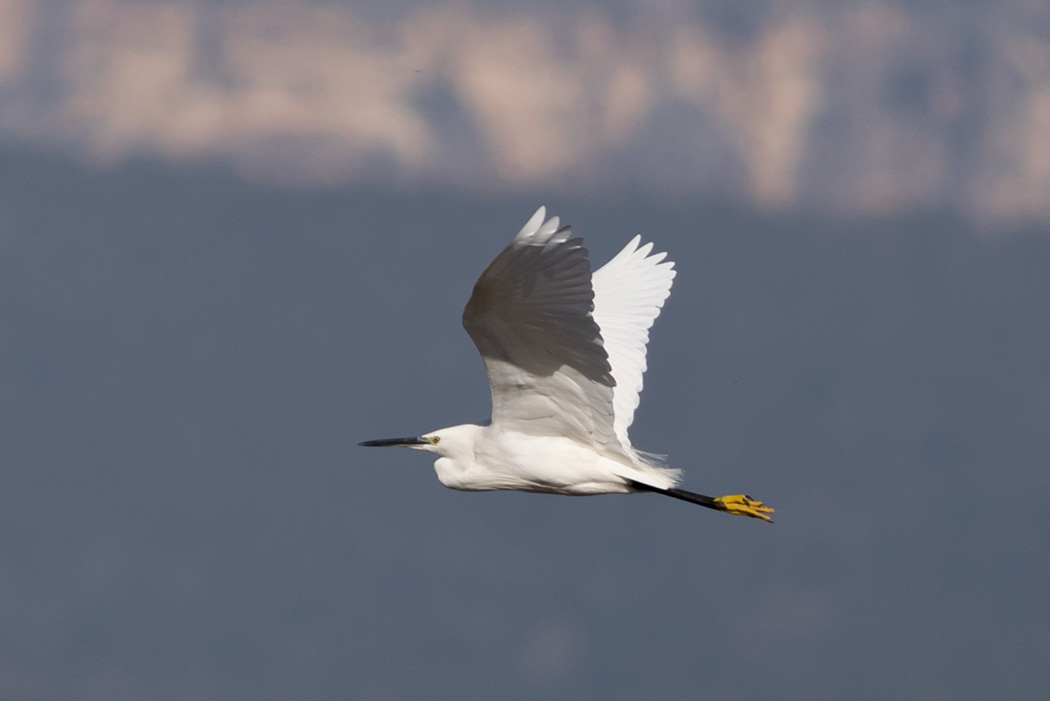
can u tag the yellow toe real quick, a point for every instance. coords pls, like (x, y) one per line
(743, 505)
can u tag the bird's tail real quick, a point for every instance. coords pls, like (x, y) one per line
(652, 470)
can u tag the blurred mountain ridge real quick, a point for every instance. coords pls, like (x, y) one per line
(877, 107)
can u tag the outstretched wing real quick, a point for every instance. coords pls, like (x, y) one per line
(530, 317)
(629, 291)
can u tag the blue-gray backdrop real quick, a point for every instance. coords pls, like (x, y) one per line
(187, 363)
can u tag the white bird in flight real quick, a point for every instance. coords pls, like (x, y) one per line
(565, 353)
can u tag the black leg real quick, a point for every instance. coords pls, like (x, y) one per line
(691, 497)
(738, 504)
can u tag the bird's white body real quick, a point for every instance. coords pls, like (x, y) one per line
(565, 354)
(481, 458)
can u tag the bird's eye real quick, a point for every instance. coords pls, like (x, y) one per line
(434, 439)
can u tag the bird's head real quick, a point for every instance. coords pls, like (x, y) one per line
(447, 442)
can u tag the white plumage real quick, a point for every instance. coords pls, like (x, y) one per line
(565, 355)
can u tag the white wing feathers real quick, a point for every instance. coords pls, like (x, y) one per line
(629, 292)
(564, 352)
(530, 317)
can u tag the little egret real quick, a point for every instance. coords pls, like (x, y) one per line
(565, 353)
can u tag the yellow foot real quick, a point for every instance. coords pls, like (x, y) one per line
(743, 505)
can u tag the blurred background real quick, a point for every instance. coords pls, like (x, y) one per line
(236, 239)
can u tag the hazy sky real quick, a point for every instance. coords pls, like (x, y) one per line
(224, 261)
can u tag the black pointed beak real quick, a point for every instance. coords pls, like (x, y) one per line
(415, 440)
